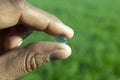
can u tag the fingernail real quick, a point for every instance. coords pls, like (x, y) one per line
(60, 54)
(70, 31)
(20, 42)
(57, 54)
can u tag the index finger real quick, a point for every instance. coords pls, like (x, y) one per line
(40, 20)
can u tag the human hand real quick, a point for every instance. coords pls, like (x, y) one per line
(18, 18)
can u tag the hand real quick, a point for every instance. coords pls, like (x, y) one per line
(17, 19)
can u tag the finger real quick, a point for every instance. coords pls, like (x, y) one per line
(15, 37)
(41, 20)
(22, 60)
(55, 51)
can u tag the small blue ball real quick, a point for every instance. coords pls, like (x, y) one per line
(61, 39)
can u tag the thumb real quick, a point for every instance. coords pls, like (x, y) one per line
(23, 60)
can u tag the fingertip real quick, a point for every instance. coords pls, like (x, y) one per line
(60, 54)
(12, 42)
(15, 37)
(59, 28)
(70, 33)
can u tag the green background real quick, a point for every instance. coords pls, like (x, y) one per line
(96, 44)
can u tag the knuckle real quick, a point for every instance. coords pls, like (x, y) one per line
(12, 12)
(17, 3)
(34, 60)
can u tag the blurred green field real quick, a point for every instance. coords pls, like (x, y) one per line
(96, 44)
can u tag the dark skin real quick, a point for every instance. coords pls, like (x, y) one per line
(18, 18)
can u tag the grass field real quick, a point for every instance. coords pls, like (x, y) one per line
(96, 44)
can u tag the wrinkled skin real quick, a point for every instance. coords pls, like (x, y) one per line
(17, 20)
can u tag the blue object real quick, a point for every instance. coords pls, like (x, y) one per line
(61, 39)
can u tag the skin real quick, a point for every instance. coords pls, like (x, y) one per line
(17, 20)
